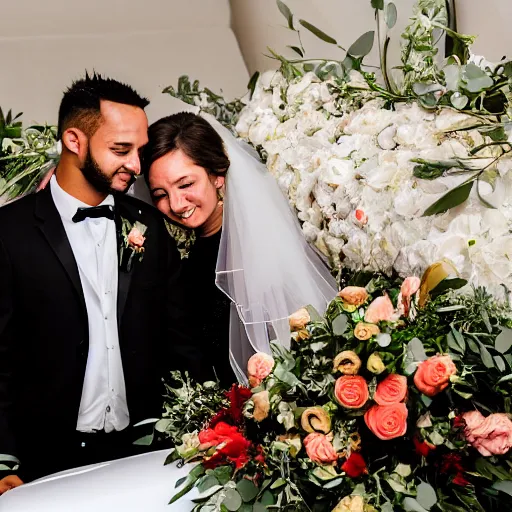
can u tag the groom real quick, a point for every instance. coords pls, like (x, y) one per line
(89, 295)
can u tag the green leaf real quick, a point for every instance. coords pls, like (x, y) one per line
(411, 505)
(504, 486)
(252, 82)
(318, 33)
(144, 441)
(507, 378)
(314, 314)
(192, 478)
(485, 318)
(285, 11)
(476, 79)
(334, 483)
(458, 100)
(339, 324)
(267, 498)
(500, 363)
(504, 340)
(260, 507)
(278, 483)
(390, 15)
(223, 474)
(247, 490)
(450, 200)
(486, 356)
(362, 46)
(459, 339)
(426, 496)
(233, 500)
(378, 4)
(206, 482)
(448, 284)
(297, 50)
(208, 493)
(180, 482)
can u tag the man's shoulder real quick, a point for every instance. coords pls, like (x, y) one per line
(17, 210)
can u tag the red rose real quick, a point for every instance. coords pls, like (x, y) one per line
(387, 421)
(355, 465)
(423, 448)
(433, 375)
(351, 391)
(460, 480)
(391, 390)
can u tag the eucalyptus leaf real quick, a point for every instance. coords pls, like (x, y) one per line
(504, 340)
(206, 482)
(144, 441)
(411, 505)
(378, 4)
(233, 500)
(504, 486)
(476, 79)
(318, 33)
(500, 363)
(248, 491)
(208, 493)
(260, 507)
(252, 82)
(390, 15)
(285, 11)
(314, 314)
(297, 50)
(486, 356)
(450, 200)
(339, 324)
(362, 46)
(458, 100)
(426, 495)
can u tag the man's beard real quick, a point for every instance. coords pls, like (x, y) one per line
(97, 178)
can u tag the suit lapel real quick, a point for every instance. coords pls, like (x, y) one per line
(49, 222)
(123, 211)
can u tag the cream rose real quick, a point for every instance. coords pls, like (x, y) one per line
(364, 331)
(347, 362)
(354, 295)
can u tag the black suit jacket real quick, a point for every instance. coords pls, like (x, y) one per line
(44, 327)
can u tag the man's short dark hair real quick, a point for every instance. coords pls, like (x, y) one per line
(80, 105)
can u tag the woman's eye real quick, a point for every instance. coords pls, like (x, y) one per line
(120, 152)
(185, 185)
(158, 197)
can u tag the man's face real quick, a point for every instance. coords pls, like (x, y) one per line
(113, 153)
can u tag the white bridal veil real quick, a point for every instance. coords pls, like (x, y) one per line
(265, 266)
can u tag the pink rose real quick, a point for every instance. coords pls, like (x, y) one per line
(410, 286)
(351, 391)
(361, 217)
(391, 390)
(135, 238)
(381, 309)
(259, 367)
(492, 436)
(433, 375)
(320, 449)
(387, 421)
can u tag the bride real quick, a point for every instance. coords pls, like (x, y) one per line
(248, 268)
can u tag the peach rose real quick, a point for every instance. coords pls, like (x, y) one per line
(299, 320)
(354, 295)
(433, 375)
(261, 405)
(387, 421)
(320, 449)
(410, 286)
(351, 391)
(391, 390)
(259, 367)
(381, 309)
(492, 436)
(347, 362)
(136, 239)
(364, 331)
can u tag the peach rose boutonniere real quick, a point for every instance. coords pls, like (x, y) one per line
(132, 247)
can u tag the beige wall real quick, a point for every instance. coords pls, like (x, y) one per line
(147, 43)
(258, 24)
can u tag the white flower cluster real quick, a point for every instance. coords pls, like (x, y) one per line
(349, 174)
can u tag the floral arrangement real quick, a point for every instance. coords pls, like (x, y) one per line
(398, 398)
(390, 170)
(26, 155)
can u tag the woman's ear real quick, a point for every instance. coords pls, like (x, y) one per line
(219, 181)
(75, 141)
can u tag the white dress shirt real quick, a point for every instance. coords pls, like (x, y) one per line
(103, 405)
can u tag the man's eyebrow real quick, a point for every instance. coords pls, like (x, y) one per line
(123, 144)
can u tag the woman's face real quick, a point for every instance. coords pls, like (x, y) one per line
(182, 190)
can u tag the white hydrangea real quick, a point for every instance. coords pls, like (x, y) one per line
(349, 174)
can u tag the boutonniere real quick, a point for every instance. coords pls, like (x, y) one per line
(132, 247)
(184, 238)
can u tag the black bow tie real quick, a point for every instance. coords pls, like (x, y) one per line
(94, 212)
